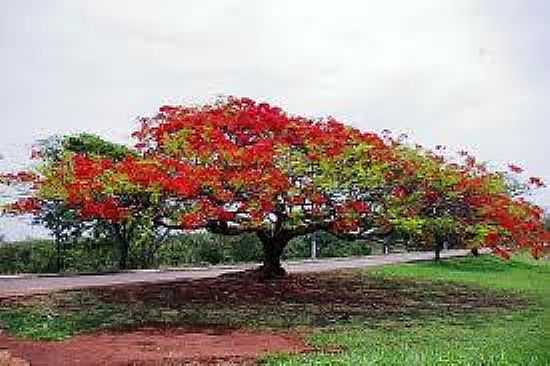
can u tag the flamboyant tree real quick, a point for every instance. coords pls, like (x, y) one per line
(465, 203)
(71, 192)
(238, 166)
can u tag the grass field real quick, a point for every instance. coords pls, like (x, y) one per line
(471, 311)
(519, 337)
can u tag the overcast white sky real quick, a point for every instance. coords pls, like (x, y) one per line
(469, 74)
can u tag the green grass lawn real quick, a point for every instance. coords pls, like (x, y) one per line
(519, 337)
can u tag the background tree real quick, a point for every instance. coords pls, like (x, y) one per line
(74, 192)
(461, 202)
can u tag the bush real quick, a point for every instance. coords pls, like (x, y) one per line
(196, 248)
(40, 256)
(87, 255)
(209, 248)
(246, 248)
(328, 246)
(90, 256)
(36, 256)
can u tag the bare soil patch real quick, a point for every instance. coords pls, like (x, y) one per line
(6, 359)
(154, 346)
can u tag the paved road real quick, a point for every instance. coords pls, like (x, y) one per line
(26, 285)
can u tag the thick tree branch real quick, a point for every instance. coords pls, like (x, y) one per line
(304, 230)
(161, 223)
(223, 228)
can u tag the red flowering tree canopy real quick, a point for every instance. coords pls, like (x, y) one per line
(439, 200)
(252, 167)
(239, 166)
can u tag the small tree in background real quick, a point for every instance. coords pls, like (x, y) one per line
(462, 203)
(71, 197)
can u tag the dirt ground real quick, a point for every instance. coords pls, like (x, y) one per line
(7, 359)
(153, 346)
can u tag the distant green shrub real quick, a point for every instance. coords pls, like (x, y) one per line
(90, 256)
(87, 255)
(328, 246)
(209, 248)
(40, 256)
(36, 256)
(246, 248)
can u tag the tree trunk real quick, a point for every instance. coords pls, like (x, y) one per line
(438, 248)
(124, 249)
(387, 241)
(59, 254)
(475, 252)
(123, 244)
(273, 248)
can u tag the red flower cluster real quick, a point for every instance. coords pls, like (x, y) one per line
(515, 169)
(536, 182)
(18, 178)
(109, 209)
(23, 206)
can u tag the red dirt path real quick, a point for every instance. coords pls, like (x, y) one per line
(154, 346)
